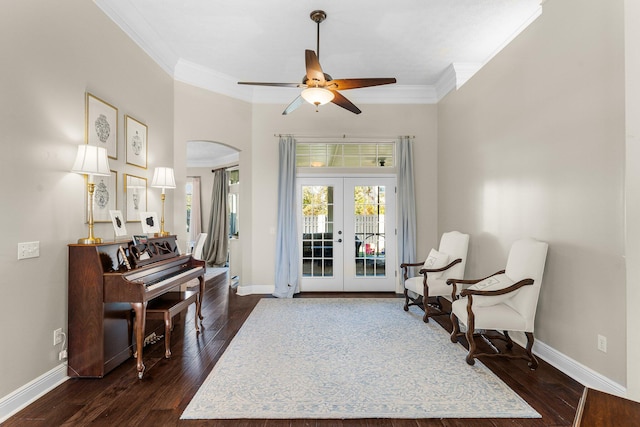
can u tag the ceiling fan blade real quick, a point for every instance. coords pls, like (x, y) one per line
(314, 70)
(344, 84)
(272, 84)
(343, 102)
(294, 104)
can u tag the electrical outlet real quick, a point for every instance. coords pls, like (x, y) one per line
(602, 343)
(57, 336)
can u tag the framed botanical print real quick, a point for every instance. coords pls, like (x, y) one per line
(101, 125)
(136, 142)
(135, 190)
(104, 196)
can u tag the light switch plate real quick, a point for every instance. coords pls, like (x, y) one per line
(28, 250)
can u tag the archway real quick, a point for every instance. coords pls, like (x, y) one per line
(202, 158)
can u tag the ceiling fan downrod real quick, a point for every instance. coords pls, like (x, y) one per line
(318, 16)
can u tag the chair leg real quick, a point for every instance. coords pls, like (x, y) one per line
(470, 340)
(406, 299)
(425, 301)
(508, 339)
(533, 362)
(455, 333)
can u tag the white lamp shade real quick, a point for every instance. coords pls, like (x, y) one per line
(91, 160)
(317, 95)
(163, 178)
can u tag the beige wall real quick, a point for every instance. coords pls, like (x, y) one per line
(375, 120)
(534, 145)
(632, 193)
(52, 52)
(201, 115)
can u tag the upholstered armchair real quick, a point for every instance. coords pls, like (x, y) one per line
(505, 301)
(447, 262)
(199, 246)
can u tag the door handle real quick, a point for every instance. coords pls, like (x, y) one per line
(339, 240)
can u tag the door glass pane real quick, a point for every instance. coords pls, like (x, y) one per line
(369, 229)
(317, 234)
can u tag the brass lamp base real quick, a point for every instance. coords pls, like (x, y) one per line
(162, 234)
(89, 241)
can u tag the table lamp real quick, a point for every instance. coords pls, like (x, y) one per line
(163, 178)
(91, 161)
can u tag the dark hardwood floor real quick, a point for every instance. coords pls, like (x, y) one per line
(120, 399)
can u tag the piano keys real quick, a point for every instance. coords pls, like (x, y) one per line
(104, 292)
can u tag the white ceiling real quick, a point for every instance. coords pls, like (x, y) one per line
(429, 46)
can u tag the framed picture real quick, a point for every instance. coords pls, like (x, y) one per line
(104, 196)
(139, 239)
(150, 222)
(135, 190)
(136, 142)
(101, 124)
(118, 223)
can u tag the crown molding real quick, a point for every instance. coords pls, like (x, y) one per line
(157, 50)
(446, 82)
(203, 77)
(456, 74)
(206, 78)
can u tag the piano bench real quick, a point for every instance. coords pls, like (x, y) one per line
(168, 305)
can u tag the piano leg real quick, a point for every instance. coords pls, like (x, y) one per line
(140, 309)
(168, 327)
(130, 330)
(199, 300)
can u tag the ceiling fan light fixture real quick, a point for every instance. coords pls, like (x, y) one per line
(317, 95)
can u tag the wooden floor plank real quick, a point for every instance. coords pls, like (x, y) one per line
(169, 384)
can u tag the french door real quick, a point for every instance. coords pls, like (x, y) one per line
(347, 234)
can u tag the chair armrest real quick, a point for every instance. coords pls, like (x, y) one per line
(407, 264)
(511, 288)
(454, 282)
(405, 270)
(471, 281)
(437, 270)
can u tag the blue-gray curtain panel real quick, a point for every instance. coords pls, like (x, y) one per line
(287, 282)
(406, 202)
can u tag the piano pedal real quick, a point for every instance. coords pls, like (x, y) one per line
(152, 339)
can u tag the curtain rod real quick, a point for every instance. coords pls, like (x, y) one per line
(343, 136)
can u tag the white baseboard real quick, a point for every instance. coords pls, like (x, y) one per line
(30, 392)
(583, 374)
(244, 290)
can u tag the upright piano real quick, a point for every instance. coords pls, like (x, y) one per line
(110, 285)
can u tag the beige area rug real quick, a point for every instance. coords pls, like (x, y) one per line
(348, 358)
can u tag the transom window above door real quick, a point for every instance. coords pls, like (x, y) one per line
(345, 155)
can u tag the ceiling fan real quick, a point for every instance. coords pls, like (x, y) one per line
(320, 88)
